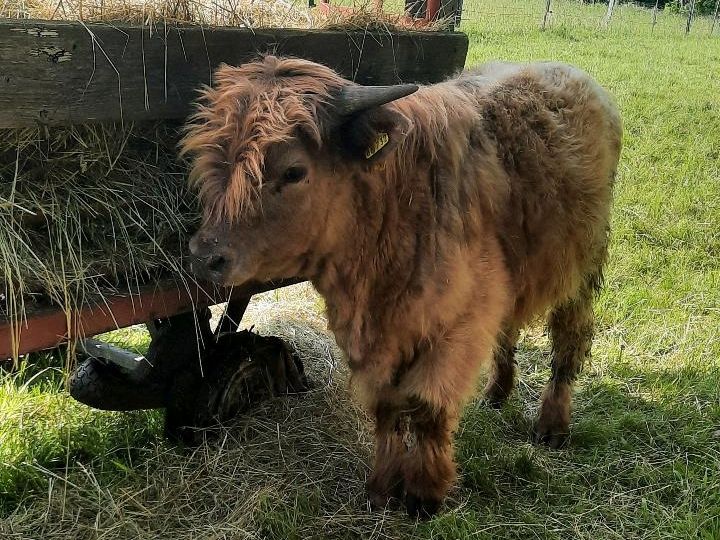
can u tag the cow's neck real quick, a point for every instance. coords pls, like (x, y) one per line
(393, 247)
(367, 280)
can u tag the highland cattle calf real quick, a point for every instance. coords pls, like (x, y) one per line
(435, 221)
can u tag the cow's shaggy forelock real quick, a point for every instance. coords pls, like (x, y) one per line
(249, 109)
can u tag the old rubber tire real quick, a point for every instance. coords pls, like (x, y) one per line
(103, 386)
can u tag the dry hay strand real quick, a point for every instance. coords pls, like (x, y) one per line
(241, 13)
(368, 17)
(293, 467)
(363, 15)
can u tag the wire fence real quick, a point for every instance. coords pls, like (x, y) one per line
(677, 17)
(612, 16)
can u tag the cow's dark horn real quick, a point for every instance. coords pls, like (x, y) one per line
(352, 99)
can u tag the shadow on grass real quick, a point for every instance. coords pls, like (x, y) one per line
(642, 462)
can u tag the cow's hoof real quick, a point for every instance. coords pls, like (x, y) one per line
(421, 507)
(494, 401)
(382, 501)
(495, 396)
(554, 436)
(383, 497)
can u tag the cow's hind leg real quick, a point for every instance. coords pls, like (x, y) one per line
(571, 330)
(385, 485)
(502, 379)
(429, 469)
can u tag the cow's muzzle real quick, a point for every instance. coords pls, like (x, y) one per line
(209, 260)
(212, 267)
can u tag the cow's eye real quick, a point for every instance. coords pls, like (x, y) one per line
(294, 174)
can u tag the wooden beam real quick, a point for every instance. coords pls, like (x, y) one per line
(432, 9)
(51, 328)
(58, 73)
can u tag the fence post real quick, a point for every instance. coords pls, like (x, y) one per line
(715, 17)
(691, 14)
(547, 14)
(459, 10)
(608, 14)
(654, 18)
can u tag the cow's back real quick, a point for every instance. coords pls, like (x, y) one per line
(557, 136)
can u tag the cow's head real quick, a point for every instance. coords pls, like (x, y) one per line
(277, 144)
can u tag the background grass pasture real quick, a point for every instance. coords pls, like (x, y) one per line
(644, 459)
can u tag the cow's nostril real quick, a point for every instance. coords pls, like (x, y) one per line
(215, 263)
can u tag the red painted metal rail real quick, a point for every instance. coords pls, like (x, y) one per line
(53, 327)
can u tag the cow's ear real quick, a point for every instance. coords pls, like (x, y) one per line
(372, 135)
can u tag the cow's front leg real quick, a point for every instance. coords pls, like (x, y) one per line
(385, 485)
(429, 469)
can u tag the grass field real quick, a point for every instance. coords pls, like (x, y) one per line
(644, 458)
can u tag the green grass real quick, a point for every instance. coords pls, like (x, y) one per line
(644, 460)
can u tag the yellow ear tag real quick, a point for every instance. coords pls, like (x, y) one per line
(380, 142)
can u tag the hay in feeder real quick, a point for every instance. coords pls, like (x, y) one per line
(239, 13)
(86, 211)
(367, 15)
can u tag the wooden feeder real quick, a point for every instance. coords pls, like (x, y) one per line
(63, 73)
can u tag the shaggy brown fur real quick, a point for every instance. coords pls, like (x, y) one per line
(488, 207)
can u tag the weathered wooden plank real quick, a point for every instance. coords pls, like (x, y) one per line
(58, 73)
